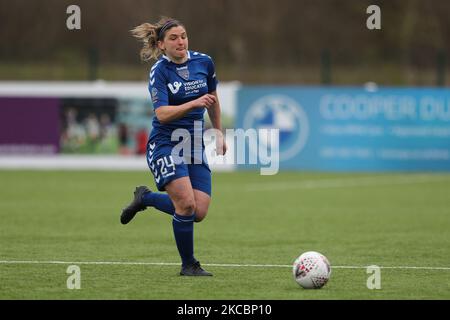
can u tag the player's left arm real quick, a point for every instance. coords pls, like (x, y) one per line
(214, 113)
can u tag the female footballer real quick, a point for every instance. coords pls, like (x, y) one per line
(182, 86)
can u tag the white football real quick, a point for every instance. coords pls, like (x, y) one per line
(311, 270)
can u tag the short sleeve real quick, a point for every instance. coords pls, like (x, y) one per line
(212, 79)
(158, 87)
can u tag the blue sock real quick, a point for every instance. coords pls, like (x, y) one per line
(183, 229)
(160, 201)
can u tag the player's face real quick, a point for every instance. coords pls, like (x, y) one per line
(175, 44)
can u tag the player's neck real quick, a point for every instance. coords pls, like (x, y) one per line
(177, 60)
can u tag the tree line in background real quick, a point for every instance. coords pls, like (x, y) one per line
(250, 40)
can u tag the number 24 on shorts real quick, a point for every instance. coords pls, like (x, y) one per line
(165, 167)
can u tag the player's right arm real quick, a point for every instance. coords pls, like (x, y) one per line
(160, 99)
(166, 114)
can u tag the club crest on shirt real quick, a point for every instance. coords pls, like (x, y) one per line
(183, 72)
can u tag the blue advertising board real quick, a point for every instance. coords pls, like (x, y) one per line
(352, 129)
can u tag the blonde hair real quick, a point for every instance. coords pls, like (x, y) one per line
(150, 34)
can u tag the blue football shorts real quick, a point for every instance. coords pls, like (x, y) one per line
(165, 168)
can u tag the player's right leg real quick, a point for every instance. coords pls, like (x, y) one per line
(135, 206)
(161, 164)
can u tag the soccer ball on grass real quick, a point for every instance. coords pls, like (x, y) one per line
(311, 270)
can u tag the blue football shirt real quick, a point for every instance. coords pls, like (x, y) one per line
(175, 84)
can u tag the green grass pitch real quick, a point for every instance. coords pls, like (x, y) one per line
(389, 220)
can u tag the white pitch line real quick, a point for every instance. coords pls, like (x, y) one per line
(205, 264)
(351, 182)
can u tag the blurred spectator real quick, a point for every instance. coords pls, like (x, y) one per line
(106, 127)
(93, 131)
(73, 135)
(141, 141)
(123, 139)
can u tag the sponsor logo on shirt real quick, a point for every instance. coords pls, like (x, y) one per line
(193, 87)
(174, 87)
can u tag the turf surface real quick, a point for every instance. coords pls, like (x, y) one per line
(389, 220)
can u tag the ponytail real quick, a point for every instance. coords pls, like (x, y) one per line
(146, 33)
(149, 34)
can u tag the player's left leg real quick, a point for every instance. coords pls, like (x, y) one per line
(202, 201)
(200, 176)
